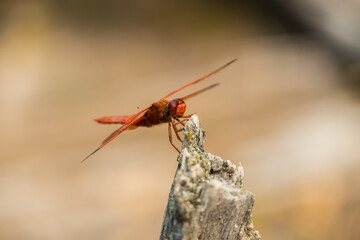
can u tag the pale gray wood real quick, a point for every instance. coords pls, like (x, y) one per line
(206, 200)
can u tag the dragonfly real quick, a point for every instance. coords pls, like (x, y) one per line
(162, 111)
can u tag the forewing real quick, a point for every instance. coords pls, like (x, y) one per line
(200, 79)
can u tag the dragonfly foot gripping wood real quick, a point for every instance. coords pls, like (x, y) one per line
(207, 201)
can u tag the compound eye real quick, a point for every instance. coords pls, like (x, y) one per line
(177, 107)
(172, 106)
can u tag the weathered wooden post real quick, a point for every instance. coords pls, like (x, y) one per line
(207, 201)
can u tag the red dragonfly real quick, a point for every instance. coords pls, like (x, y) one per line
(162, 111)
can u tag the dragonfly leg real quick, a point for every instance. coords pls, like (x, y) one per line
(182, 122)
(179, 130)
(176, 130)
(187, 116)
(170, 138)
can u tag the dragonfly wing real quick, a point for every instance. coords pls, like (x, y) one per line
(132, 126)
(200, 91)
(200, 79)
(110, 136)
(133, 119)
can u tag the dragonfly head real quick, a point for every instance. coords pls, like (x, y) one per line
(177, 107)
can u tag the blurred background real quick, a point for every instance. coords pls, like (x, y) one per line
(288, 110)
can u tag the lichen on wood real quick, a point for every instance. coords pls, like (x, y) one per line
(206, 200)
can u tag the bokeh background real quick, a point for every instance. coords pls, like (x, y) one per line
(288, 110)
